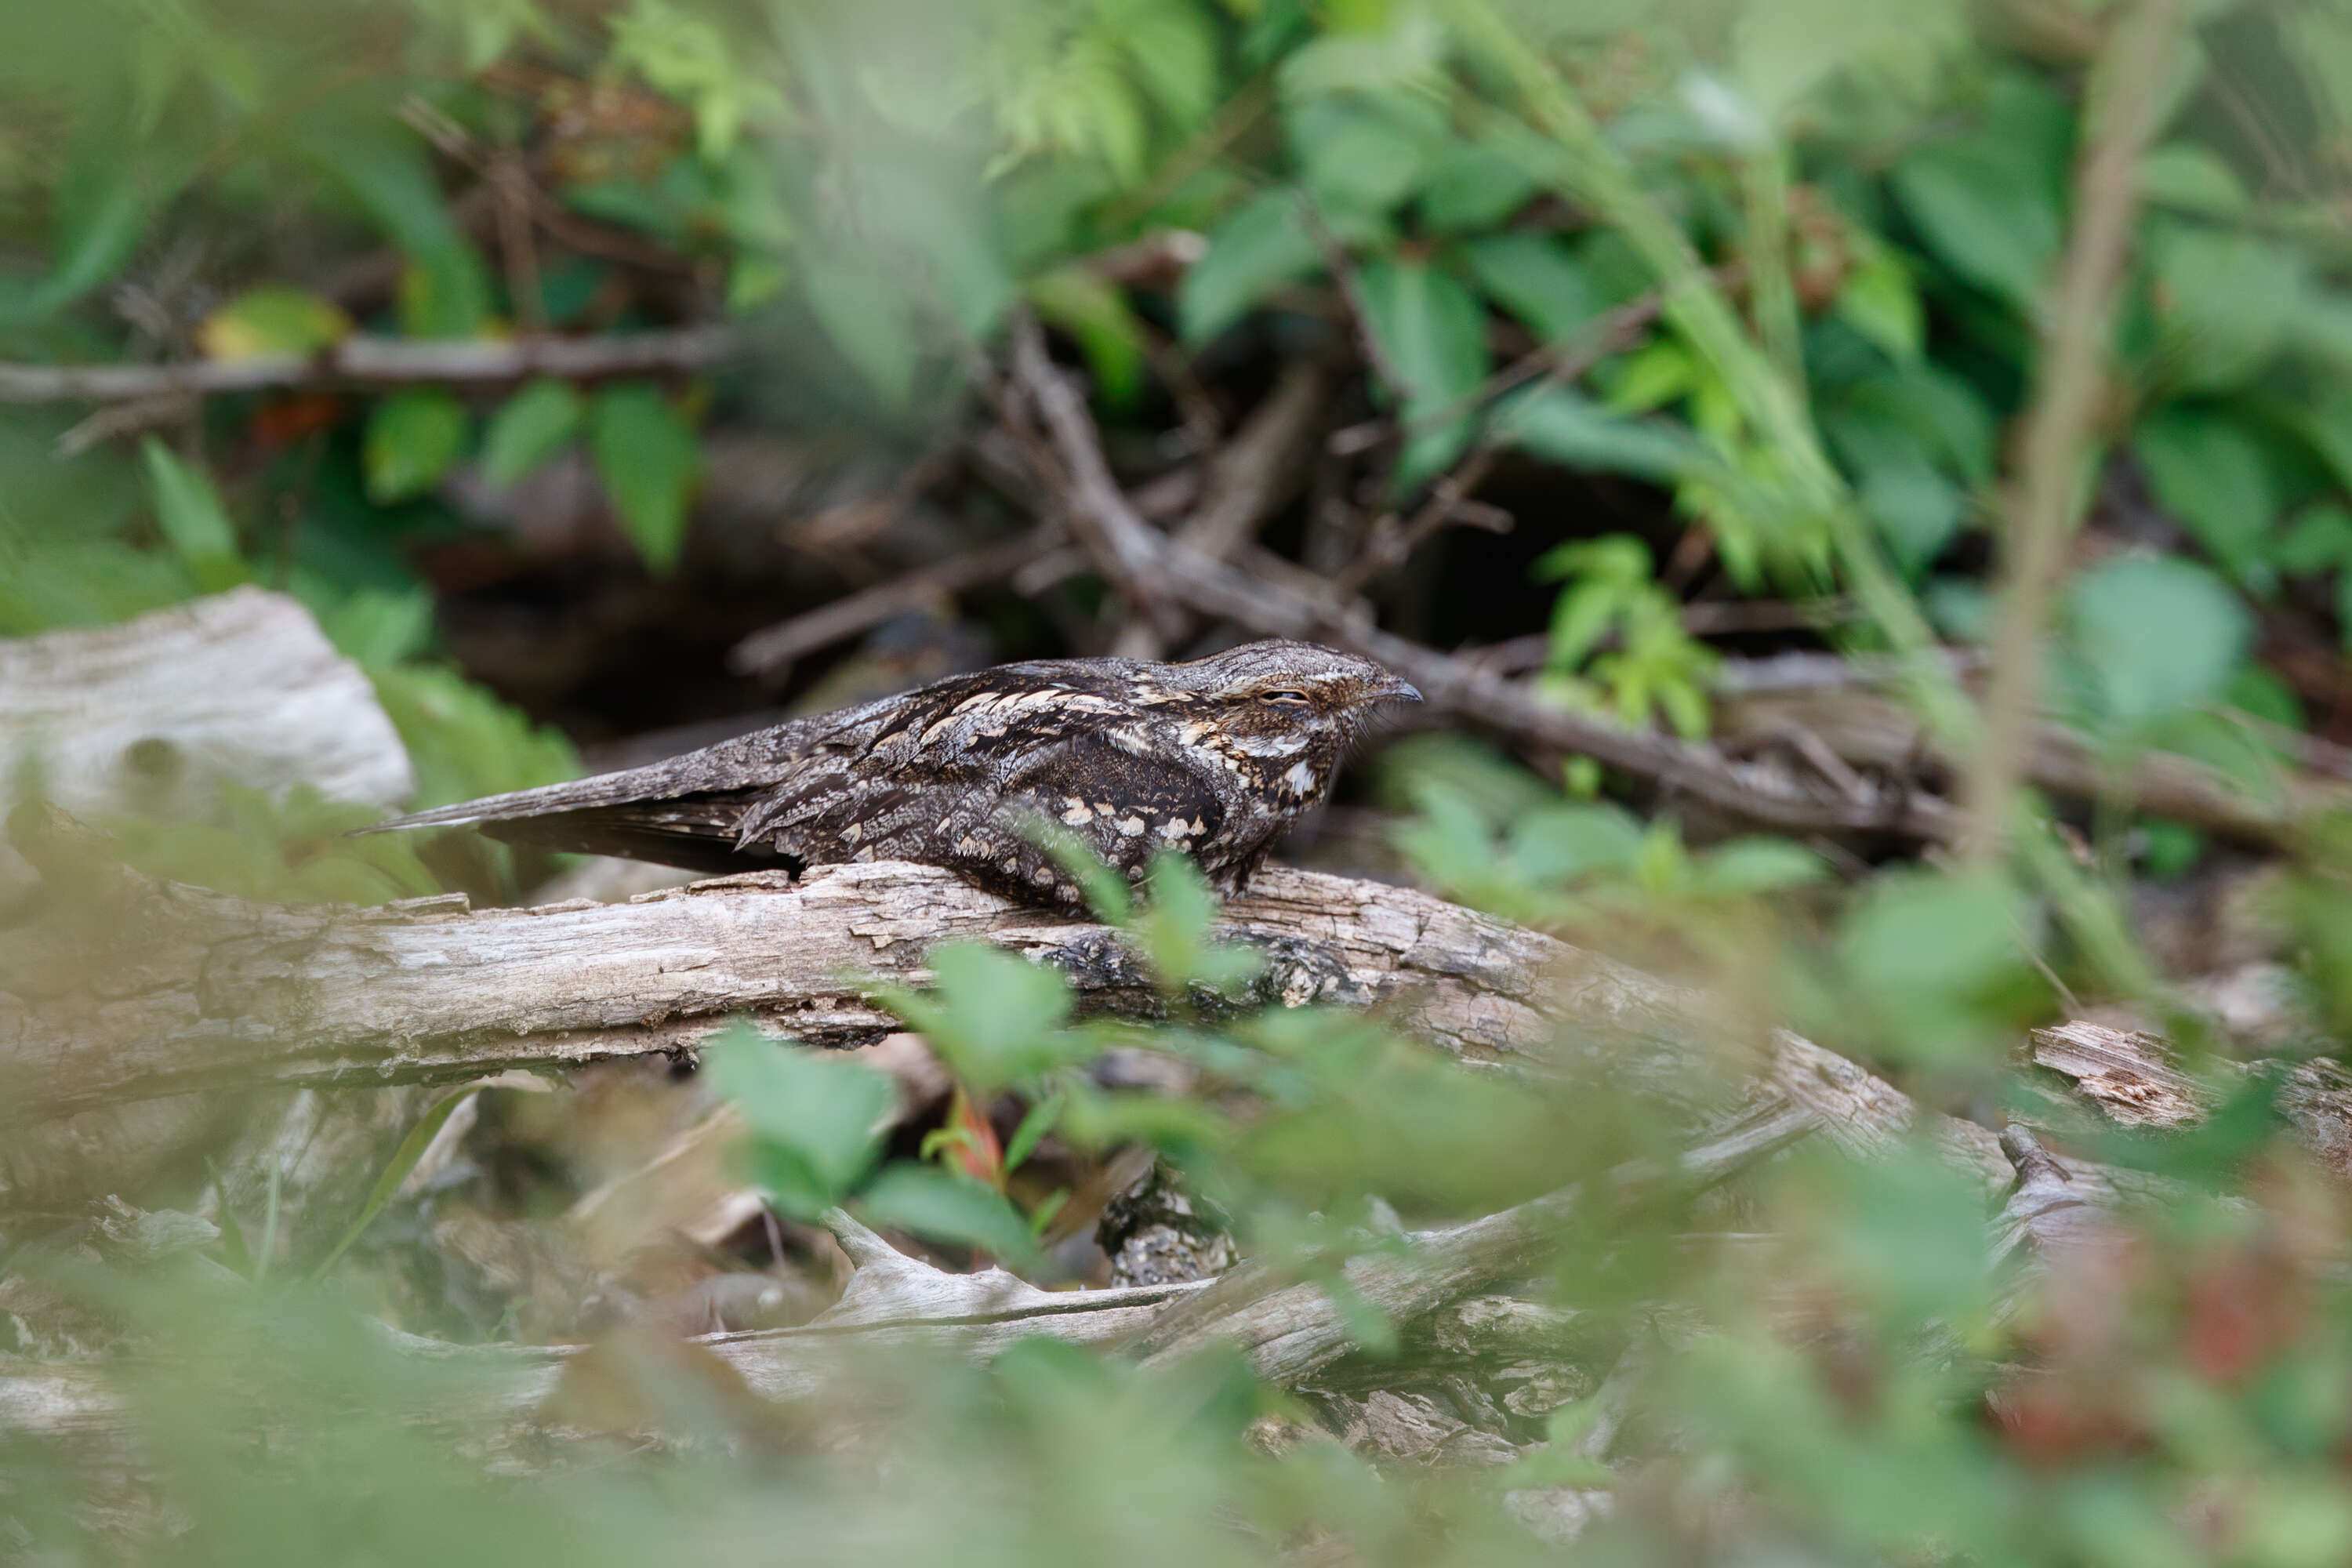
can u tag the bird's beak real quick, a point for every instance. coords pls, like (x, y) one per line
(1399, 691)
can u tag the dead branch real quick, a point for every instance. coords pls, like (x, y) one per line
(362, 361)
(145, 988)
(772, 651)
(1873, 731)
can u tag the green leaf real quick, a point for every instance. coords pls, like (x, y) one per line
(1033, 1127)
(271, 320)
(413, 439)
(2215, 475)
(815, 1117)
(1559, 843)
(1434, 336)
(2157, 636)
(2191, 178)
(1879, 300)
(1093, 310)
(385, 166)
(1785, 49)
(649, 461)
(1564, 426)
(995, 1019)
(1474, 185)
(1263, 246)
(1539, 280)
(387, 1181)
(1175, 929)
(529, 430)
(445, 294)
(464, 741)
(105, 196)
(374, 626)
(2320, 540)
(934, 1203)
(1759, 865)
(689, 58)
(1357, 159)
(1934, 955)
(1917, 508)
(2224, 301)
(871, 321)
(189, 512)
(1991, 217)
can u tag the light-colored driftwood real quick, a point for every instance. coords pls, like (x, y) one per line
(149, 717)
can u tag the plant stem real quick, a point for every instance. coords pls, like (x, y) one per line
(2060, 444)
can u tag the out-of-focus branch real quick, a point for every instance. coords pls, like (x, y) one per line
(771, 651)
(1292, 1332)
(364, 361)
(2060, 435)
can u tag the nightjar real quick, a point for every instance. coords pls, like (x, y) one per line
(1215, 757)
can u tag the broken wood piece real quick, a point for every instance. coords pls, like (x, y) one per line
(2134, 1079)
(148, 718)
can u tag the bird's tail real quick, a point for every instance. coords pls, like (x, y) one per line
(654, 783)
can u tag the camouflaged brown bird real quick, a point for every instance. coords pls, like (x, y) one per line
(1215, 757)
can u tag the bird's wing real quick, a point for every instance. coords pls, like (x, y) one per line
(1127, 803)
(885, 784)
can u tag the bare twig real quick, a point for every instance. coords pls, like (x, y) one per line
(1392, 544)
(1123, 547)
(2060, 427)
(772, 651)
(381, 361)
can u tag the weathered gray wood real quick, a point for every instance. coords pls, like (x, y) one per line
(149, 717)
(186, 988)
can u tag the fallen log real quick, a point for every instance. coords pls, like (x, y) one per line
(175, 988)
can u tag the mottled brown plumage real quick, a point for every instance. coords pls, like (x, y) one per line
(1215, 757)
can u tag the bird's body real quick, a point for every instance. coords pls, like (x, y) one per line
(1215, 757)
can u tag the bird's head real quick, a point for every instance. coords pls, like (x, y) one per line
(1284, 713)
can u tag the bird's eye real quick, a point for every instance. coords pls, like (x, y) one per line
(1287, 697)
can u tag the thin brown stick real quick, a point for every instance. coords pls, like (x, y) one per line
(2060, 427)
(772, 651)
(1392, 544)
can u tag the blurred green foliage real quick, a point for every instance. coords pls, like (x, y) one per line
(1830, 1365)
